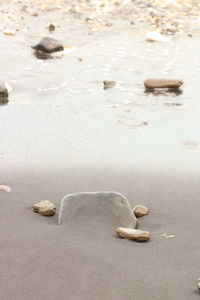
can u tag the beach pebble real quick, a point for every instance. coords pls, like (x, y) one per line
(5, 188)
(45, 208)
(108, 84)
(140, 211)
(133, 234)
(3, 93)
(49, 45)
(9, 32)
(154, 36)
(51, 27)
(163, 83)
(198, 283)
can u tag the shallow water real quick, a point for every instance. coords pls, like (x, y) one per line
(59, 112)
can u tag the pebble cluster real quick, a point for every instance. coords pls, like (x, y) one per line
(166, 16)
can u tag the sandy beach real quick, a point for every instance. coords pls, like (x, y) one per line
(62, 133)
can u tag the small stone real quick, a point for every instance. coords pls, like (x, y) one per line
(5, 188)
(154, 36)
(133, 234)
(108, 84)
(140, 211)
(49, 45)
(3, 93)
(45, 208)
(51, 27)
(163, 83)
(35, 14)
(9, 32)
(198, 283)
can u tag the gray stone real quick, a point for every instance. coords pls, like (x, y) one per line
(109, 207)
(49, 45)
(3, 93)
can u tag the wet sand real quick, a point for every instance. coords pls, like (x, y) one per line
(84, 259)
(62, 133)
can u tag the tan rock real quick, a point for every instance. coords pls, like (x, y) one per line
(140, 211)
(153, 83)
(133, 234)
(108, 84)
(45, 208)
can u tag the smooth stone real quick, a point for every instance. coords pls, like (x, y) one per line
(49, 45)
(108, 84)
(45, 208)
(108, 207)
(140, 211)
(154, 36)
(3, 93)
(133, 234)
(5, 188)
(153, 83)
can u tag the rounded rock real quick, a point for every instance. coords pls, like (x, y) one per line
(108, 84)
(45, 208)
(154, 83)
(140, 211)
(133, 234)
(49, 45)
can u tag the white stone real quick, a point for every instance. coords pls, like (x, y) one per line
(5, 188)
(133, 234)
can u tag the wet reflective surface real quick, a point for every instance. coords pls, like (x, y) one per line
(59, 106)
(62, 132)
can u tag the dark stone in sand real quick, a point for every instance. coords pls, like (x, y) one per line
(3, 93)
(108, 207)
(42, 55)
(49, 45)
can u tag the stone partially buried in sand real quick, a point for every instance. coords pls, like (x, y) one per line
(133, 234)
(49, 45)
(140, 211)
(110, 208)
(45, 208)
(169, 83)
